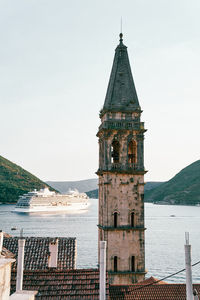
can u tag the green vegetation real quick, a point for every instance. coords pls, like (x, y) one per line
(15, 181)
(94, 194)
(183, 188)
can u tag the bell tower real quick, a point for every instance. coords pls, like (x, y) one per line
(121, 175)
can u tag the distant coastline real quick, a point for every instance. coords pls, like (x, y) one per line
(182, 189)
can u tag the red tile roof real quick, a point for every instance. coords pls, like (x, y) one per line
(6, 253)
(66, 284)
(6, 234)
(150, 292)
(83, 284)
(36, 252)
(152, 280)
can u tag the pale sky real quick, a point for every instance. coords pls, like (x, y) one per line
(55, 61)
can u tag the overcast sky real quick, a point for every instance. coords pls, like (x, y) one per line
(55, 61)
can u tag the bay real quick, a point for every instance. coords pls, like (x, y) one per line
(164, 238)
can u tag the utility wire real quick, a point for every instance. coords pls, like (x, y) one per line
(171, 275)
(166, 277)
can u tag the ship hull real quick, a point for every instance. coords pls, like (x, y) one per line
(70, 208)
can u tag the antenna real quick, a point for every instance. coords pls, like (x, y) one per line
(187, 238)
(21, 233)
(121, 34)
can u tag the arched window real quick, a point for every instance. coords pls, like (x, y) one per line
(132, 219)
(132, 263)
(132, 152)
(115, 263)
(115, 219)
(115, 151)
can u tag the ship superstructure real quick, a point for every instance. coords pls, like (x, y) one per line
(46, 200)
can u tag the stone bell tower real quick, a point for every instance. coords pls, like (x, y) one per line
(121, 175)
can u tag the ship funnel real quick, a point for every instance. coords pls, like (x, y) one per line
(53, 257)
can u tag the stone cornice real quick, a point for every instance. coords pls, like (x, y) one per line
(128, 272)
(124, 227)
(116, 171)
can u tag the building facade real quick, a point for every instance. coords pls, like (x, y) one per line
(121, 175)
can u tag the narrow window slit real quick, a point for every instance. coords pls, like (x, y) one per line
(115, 263)
(132, 219)
(133, 263)
(115, 219)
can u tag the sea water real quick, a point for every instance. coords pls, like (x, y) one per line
(164, 238)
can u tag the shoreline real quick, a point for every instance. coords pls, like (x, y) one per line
(161, 203)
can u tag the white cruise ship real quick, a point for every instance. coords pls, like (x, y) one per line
(46, 201)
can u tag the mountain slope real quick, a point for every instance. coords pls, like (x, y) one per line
(15, 181)
(183, 188)
(81, 185)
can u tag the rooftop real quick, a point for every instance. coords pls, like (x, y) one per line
(150, 292)
(36, 252)
(66, 284)
(84, 284)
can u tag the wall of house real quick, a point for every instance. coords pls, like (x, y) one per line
(5, 273)
(23, 295)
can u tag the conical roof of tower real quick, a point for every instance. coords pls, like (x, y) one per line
(121, 93)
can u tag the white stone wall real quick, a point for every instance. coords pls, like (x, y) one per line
(5, 273)
(23, 295)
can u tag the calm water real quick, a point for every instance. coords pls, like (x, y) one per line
(164, 235)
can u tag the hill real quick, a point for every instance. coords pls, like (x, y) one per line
(148, 186)
(82, 185)
(15, 181)
(183, 188)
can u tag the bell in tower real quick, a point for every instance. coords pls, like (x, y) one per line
(121, 175)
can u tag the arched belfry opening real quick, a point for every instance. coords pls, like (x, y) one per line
(132, 152)
(115, 149)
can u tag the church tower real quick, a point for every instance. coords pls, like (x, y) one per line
(121, 175)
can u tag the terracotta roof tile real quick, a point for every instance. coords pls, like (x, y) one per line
(64, 284)
(6, 234)
(150, 292)
(36, 252)
(6, 253)
(152, 280)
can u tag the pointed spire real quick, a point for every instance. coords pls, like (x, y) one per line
(121, 93)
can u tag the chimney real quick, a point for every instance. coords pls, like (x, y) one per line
(20, 262)
(53, 258)
(1, 241)
(102, 285)
(188, 267)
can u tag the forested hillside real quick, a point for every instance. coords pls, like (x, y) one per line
(15, 181)
(183, 188)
